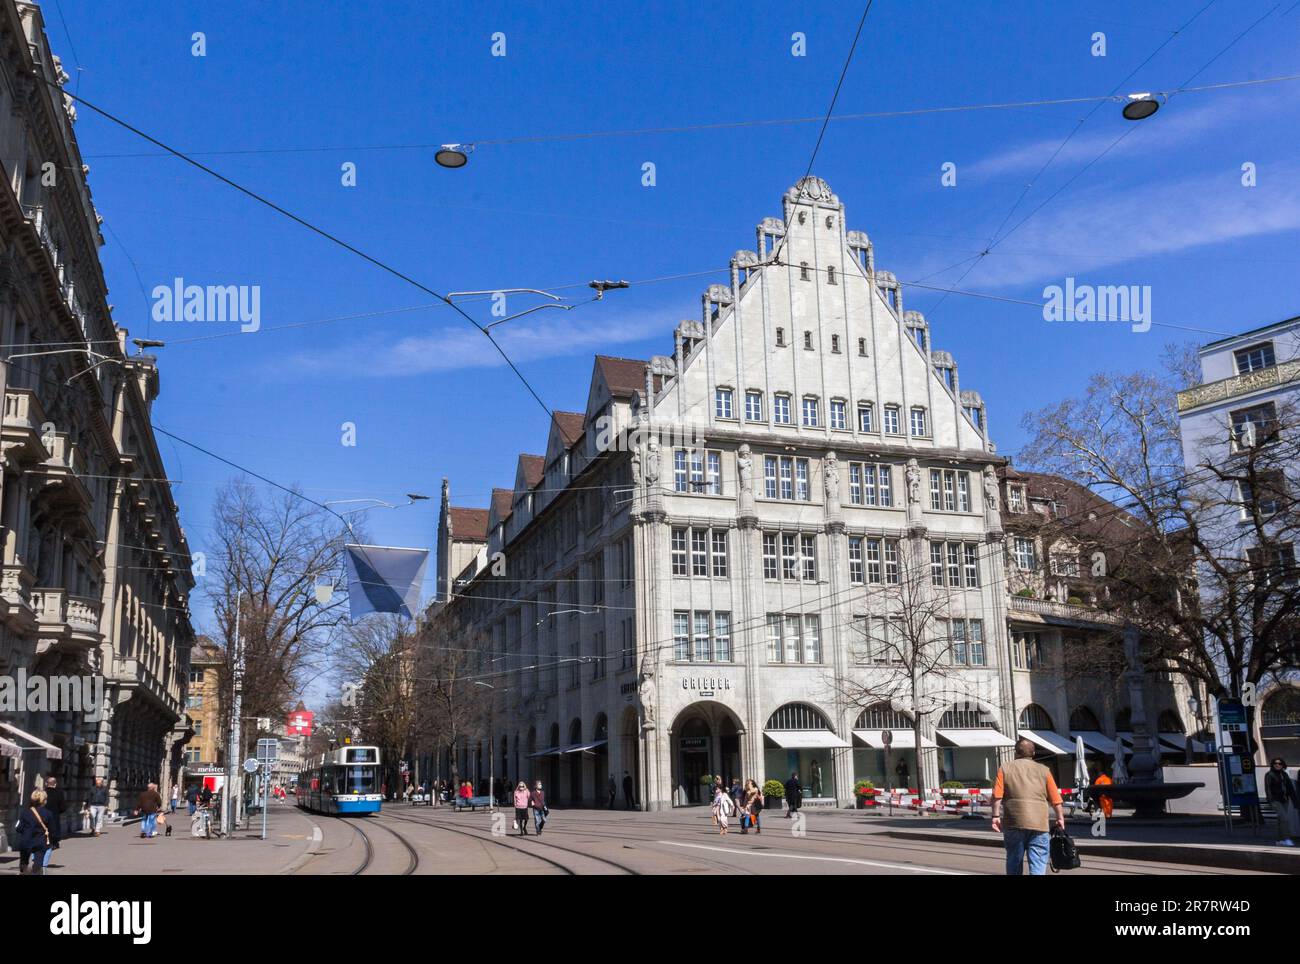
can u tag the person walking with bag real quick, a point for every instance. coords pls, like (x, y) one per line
(1281, 792)
(522, 800)
(537, 800)
(793, 795)
(148, 805)
(55, 803)
(723, 808)
(1022, 795)
(33, 835)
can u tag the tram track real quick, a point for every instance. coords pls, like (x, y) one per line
(530, 850)
(413, 857)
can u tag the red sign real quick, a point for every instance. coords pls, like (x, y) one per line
(299, 723)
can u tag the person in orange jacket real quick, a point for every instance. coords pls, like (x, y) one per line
(1107, 805)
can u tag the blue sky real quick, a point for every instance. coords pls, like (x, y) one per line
(1164, 208)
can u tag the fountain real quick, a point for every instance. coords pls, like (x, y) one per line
(1142, 787)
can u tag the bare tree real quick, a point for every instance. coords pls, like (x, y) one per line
(271, 553)
(451, 708)
(913, 660)
(1208, 572)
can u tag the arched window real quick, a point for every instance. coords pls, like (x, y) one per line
(797, 716)
(965, 716)
(1034, 717)
(1281, 708)
(882, 717)
(1083, 718)
(1169, 722)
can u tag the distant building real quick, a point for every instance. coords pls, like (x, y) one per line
(204, 703)
(1249, 395)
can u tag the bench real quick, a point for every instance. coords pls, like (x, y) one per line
(473, 802)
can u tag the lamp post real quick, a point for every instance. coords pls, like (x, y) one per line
(232, 753)
(492, 750)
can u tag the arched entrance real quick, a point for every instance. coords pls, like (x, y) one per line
(631, 756)
(799, 739)
(705, 738)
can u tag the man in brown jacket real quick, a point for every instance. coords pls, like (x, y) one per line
(148, 805)
(1022, 795)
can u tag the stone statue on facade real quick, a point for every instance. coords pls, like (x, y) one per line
(831, 477)
(646, 692)
(745, 469)
(652, 462)
(913, 482)
(991, 497)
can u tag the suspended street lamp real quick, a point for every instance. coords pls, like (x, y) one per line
(1140, 106)
(453, 155)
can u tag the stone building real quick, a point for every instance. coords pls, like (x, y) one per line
(95, 579)
(697, 567)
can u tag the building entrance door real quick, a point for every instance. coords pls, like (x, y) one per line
(694, 766)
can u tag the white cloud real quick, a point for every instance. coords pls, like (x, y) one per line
(454, 346)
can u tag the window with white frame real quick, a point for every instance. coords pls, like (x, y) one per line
(1025, 557)
(753, 406)
(967, 642)
(810, 412)
(781, 409)
(722, 407)
(681, 635)
(808, 545)
(786, 477)
(1016, 498)
(794, 638)
(699, 552)
(920, 428)
(873, 560)
(703, 649)
(1254, 358)
(839, 414)
(770, 556)
(698, 471)
(1028, 651)
(949, 490)
(866, 419)
(856, 572)
(871, 483)
(891, 420)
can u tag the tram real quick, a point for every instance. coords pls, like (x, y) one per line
(346, 780)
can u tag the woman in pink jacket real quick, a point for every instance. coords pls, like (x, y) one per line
(521, 808)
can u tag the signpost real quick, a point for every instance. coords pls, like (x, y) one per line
(887, 738)
(268, 752)
(1237, 781)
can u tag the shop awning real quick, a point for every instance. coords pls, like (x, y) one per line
(52, 752)
(549, 751)
(1168, 743)
(583, 747)
(976, 737)
(10, 749)
(806, 739)
(1049, 741)
(903, 739)
(1096, 741)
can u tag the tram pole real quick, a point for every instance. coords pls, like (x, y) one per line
(232, 752)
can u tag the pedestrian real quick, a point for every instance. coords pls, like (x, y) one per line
(629, 791)
(147, 806)
(793, 795)
(1280, 791)
(176, 795)
(537, 800)
(33, 835)
(55, 803)
(723, 807)
(466, 793)
(522, 801)
(1022, 795)
(904, 777)
(611, 790)
(205, 796)
(97, 801)
(752, 806)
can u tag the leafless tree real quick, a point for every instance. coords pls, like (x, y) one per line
(1208, 571)
(271, 552)
(450, 705)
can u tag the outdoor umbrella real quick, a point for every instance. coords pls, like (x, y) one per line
(1081, 778)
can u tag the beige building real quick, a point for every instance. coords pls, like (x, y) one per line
(203, 705)
(95, 581)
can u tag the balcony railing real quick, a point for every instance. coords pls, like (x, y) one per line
(1046, 607)
(1237, 385)
(23, 410)
(36, 214)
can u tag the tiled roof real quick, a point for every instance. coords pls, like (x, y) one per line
(570, 425)
(468, 524)
(625, 376)
(534, 469)
(503, 502)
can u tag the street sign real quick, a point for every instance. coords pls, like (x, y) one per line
(250, 765)
(887, 737)
(268, 751)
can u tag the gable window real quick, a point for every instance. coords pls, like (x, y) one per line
(754, 406)
(810, 418)
(865, 417)
(722, 403)
(1016, 498)
(1254, 358)
(919, 429)
(891, 420)
(781, 409)
(839, 417)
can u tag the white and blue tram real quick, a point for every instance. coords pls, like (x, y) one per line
(346, 780)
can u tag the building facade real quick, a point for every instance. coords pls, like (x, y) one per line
(1249, 401)
(96, 578)
(203, 706)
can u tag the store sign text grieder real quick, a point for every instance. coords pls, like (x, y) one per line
(706, 685)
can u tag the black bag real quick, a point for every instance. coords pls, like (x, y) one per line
(1064, 854)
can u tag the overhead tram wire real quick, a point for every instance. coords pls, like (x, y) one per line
(261, 199)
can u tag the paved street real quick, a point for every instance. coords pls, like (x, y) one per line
(406, 840)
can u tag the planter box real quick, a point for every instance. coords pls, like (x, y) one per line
(775, 803)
